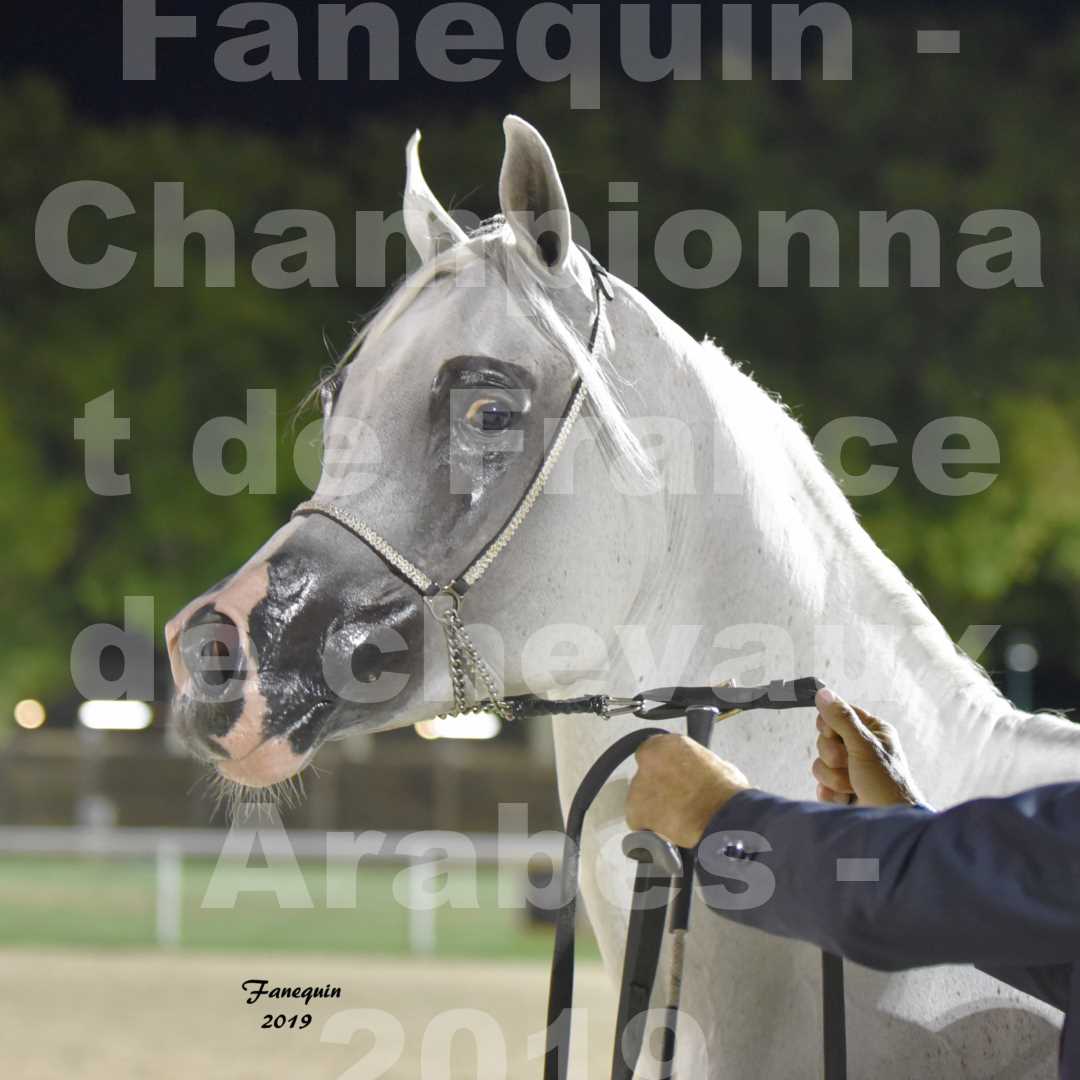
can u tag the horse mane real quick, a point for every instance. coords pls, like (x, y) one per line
(757, 422)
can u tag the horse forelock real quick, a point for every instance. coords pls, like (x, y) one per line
(492, 243)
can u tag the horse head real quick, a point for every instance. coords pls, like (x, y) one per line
(435, 421)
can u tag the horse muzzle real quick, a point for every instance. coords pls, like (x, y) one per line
(276, 659)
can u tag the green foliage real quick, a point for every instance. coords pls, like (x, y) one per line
(933, 133)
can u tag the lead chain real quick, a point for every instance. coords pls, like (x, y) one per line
(467, 665)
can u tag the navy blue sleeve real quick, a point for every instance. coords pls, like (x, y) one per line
(992, 882)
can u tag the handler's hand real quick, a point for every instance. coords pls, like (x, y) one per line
(859, 755)
(678, 787)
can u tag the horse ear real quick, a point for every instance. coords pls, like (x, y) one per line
(429, 227)
(531, 195)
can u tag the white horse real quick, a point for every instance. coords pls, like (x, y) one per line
(734, 555)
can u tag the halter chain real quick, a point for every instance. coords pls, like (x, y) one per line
(466, 664)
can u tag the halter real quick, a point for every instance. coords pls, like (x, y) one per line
(444, 600)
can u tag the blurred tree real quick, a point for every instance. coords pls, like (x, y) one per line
(950, 137)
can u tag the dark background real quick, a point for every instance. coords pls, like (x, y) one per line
(992, 127)
(80, 46)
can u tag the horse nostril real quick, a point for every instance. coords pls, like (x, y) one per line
(367, 662)
(210, 644)
(218, 674)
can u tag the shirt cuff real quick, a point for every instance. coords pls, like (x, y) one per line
(733, 814)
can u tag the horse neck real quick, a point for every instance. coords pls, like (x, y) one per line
(769, 560)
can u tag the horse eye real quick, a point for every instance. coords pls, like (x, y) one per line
(489, 414)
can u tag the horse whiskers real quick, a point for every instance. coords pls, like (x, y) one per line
(215, 787)
(240, 801)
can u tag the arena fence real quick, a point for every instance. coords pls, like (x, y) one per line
(509, 856)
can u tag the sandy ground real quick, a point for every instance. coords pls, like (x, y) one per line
(136, 1015)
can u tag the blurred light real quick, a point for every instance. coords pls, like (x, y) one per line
(115, 715)
(29, 714)
(483, 725)
(1022, 656)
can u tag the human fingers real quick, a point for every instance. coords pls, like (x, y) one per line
(841, 719)
(827, 795)
(836, 779)
(832, 751)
